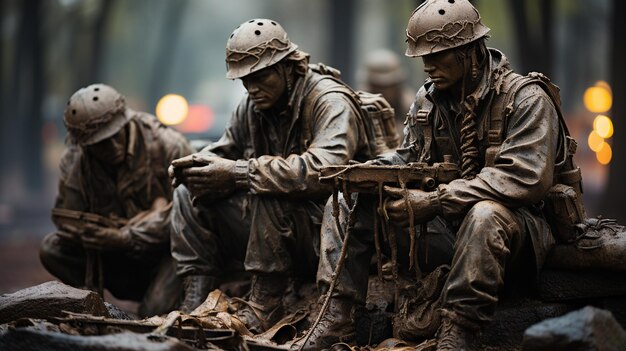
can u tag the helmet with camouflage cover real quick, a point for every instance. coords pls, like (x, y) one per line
(254, 45)
(95, 113)
(438, 25)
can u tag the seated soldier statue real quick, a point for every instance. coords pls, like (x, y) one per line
(254, 197)
(507, 136)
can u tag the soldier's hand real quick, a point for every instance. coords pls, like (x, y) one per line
(216, 176)
(176, 167)
(420, 201)
(69, 232)
(103, 238)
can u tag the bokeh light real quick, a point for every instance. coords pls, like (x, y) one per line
(603, 126)
(598, 99)
(199, 120)
(604, 154)
(595, 141)
(172, 109)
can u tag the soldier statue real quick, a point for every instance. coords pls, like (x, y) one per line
(254, 196)
(115, 168)
(505, 133)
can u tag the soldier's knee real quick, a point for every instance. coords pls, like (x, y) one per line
(488, 211)
(493, 224)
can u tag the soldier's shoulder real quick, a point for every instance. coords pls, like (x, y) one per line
(70, 157)
(516, 87)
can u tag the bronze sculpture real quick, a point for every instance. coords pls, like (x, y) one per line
(112, 209)
(383, 74)
(254, 195)
(507, 135)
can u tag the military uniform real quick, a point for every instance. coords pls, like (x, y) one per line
(144, 271)
(272, 223)
(487, 221)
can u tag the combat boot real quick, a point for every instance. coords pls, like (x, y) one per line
(452, 335)
(264, 307)
(196, 288)
(336, 325)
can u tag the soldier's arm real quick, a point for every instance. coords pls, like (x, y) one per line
(524, 165)
(335, 139)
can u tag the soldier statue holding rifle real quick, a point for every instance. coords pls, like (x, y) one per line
(506, 134)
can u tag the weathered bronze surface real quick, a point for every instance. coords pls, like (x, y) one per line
(475, 223)
(112, 210)
(506, 133)
(254, 195)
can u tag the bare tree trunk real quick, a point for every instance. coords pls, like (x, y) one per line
(535, 47)
(170, 33)
(27, 96)
(99, 31)
(616, 190)
(546, 55)
(342, 41)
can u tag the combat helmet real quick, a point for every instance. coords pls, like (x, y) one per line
(95, 113)
(254, 45)
(438, 25)
(383, 68)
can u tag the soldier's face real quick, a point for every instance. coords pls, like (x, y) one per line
(265, 87)
(444, 69)
(112, 150)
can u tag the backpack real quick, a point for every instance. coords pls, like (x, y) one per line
(377, 115)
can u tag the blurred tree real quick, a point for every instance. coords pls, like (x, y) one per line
(164, 59)
(534, 34)
(99, 32)
(342, 41)
(27, 95)
(616, 191)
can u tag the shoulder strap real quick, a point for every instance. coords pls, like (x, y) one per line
(421, 113)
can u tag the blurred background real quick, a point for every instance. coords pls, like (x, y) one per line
(167, 58)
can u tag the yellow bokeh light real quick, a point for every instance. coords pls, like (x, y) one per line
(595, 141)
(603, 126)
(605, 85)
(172, 109)
(604, 154)
(598, 99)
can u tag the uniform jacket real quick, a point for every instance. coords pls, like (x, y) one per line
(85, 185)
(280, 154)
(524, 164)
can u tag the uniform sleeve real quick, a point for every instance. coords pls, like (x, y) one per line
(524, 165)
(335, 140)
(150, 230)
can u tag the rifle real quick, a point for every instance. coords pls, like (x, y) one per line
(79, 219)
(368, 178)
